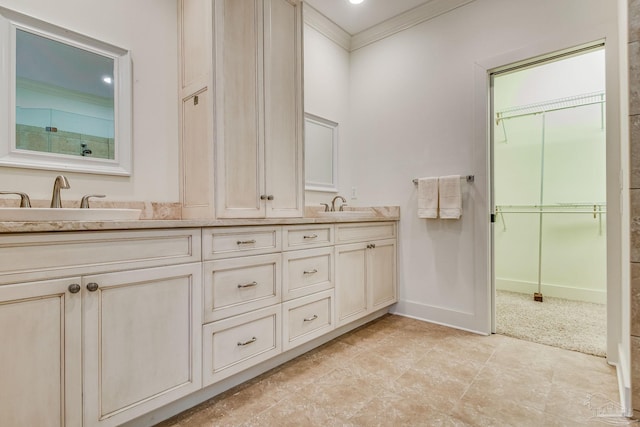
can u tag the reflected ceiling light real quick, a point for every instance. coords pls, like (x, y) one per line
(108, 80)
(355, 1)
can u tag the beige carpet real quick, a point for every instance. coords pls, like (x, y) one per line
(572, 325)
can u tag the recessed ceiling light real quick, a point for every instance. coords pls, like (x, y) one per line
(355, 1)
(108, 80)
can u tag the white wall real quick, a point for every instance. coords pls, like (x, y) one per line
(148, 28)
(326, 94)
(418, 108)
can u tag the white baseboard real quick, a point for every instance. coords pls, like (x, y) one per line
(553, 290)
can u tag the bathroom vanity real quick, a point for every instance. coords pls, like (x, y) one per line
(111, 320)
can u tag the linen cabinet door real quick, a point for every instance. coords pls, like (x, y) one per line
(351, 282)
(283, 108)
(238, 76)
(381, 273)
(141, 341)
(40, 356)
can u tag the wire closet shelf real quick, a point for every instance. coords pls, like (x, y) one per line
(553, 105)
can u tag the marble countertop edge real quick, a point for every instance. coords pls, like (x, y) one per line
(382, 213)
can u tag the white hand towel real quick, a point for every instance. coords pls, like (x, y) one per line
(428, 198)
(450, 198)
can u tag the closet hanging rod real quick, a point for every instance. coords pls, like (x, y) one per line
(553, 212)
(468, 178)
(555, 206)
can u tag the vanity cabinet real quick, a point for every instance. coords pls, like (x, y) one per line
(242, 105)
(365, 269)
(242, 295)
(99, 342)
(41, 355)
(307, 283)
(101, 327)
(141, 341)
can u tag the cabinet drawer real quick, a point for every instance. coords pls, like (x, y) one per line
(238, 241)
(306, 272)
(237, 343)
(238, 285)
(307, 318)
(348, 233)
(35, 256)
(308, 236)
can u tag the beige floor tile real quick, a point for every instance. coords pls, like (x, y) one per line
(399, 411)
(498, 413)
(516, 387)
(399, 371)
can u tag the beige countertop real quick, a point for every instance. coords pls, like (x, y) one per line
(312, 216)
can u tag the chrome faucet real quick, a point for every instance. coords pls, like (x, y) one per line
(60, 183)
(333, 203)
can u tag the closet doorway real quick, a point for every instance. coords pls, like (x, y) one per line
(549, 201)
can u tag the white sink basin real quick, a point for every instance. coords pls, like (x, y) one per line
(346, 214)
(67, 214)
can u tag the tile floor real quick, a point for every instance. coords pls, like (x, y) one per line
(397, 371)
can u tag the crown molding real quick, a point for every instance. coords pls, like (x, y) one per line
(326, 27)
(405, 20)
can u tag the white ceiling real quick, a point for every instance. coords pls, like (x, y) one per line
(356, 18)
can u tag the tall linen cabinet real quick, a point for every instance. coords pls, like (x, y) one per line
(241, 142)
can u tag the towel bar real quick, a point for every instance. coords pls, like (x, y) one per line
(468, 178)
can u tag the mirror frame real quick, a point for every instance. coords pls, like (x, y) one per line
(333, 126)
(13, 157)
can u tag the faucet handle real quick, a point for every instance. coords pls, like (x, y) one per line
(84, 203)
(342, 207)
(25, 202)
(326, 206)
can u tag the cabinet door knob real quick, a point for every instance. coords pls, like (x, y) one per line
(92, 287)
(269, 197)
(263, 197)
(74, 288)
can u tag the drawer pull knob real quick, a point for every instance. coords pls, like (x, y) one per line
(311, 319)
(252, 340)
(246, 242)
(310, 271)
(74, 288)
(311, 236)
(247, 285)
(92, 287)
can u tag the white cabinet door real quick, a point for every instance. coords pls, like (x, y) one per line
(141, 341)
(381, 274)
(239, 111)
(283, 108)
(365, 278)
(40, 354)
(259, 112)
(351, 283)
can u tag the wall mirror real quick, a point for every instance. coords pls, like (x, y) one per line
(321, 153)
(65, 99)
